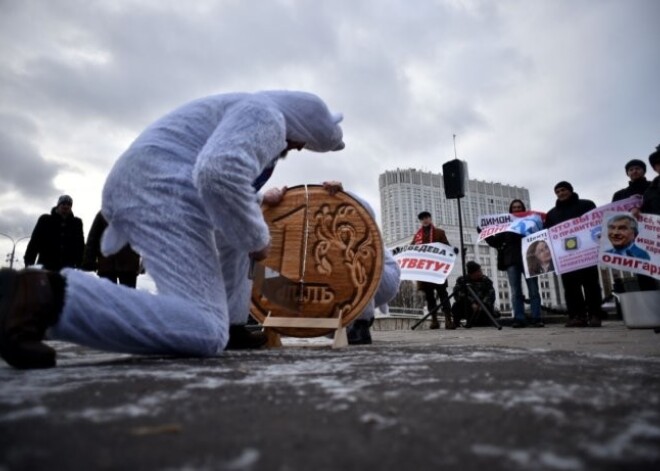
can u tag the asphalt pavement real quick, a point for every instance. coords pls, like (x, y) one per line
(554, 398)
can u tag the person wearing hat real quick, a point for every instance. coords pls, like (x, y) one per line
(465, 307)
(636, 171)
(581, 287)
(184, 195)
(57, 239)
(427, 234)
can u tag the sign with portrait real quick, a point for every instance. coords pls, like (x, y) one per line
(631, 243)
(575, 242)
(538, 257)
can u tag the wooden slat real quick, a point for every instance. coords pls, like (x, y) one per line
(301, 322)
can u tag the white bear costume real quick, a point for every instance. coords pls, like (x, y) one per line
(183, 195)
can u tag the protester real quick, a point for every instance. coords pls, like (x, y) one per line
(358, 331)
(427, 234)
(509, 259)
(581, 287)
(122, 267)
(184, 196)
(638, 184)
(651, 205)
(57, 240)
(622, 230)
(465, 306)
(539, 258)
(651, 201)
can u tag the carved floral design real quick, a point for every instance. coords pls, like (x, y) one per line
(339, 230)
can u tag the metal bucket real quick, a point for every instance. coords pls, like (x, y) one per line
(640, 309)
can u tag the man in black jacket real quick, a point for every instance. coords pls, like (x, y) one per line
(638, 184)
(57, 240)
(651, 205)
(581, 287)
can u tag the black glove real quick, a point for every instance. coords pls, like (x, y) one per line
(478, 230)
(456, 250)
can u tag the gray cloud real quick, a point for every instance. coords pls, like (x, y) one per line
(24, 170)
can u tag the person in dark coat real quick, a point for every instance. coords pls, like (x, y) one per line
(57, 239)
(581, 287)
(467, 307)
(427, 234)
(509, 259)
(651, 202)
(122, 267)
(651, 205)
(638, 184)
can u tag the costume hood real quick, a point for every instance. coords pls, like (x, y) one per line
(308, 120)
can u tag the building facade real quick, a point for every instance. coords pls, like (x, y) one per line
(404, 193)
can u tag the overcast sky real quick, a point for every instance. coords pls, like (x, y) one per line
(537, 91)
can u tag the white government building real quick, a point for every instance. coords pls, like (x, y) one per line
(404, 193)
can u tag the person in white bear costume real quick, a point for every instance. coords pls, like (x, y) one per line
(185, 196)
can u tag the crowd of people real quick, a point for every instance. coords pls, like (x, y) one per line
(582, 289)
(185, 196)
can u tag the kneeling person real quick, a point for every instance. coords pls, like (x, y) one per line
(467, 307)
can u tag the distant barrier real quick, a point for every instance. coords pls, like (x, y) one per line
(396, 322)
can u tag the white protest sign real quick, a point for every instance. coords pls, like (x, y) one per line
(425, 262)
(523, 223)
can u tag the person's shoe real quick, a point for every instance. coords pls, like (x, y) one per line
(595, 322)
(434, 324)
(518, 324)
(241, 338)
(30, 302)
(449, 323)
(358, 333)
(537, 323)
(576, 322)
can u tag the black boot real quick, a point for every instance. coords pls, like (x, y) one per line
(449, 322)
(358, 333)
(241, 338)
(30, 302)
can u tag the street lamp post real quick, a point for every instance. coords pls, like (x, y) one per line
(13, 248)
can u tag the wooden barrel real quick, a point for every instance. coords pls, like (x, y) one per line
(325, 260)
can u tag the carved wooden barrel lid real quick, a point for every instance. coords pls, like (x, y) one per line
(326, 259)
